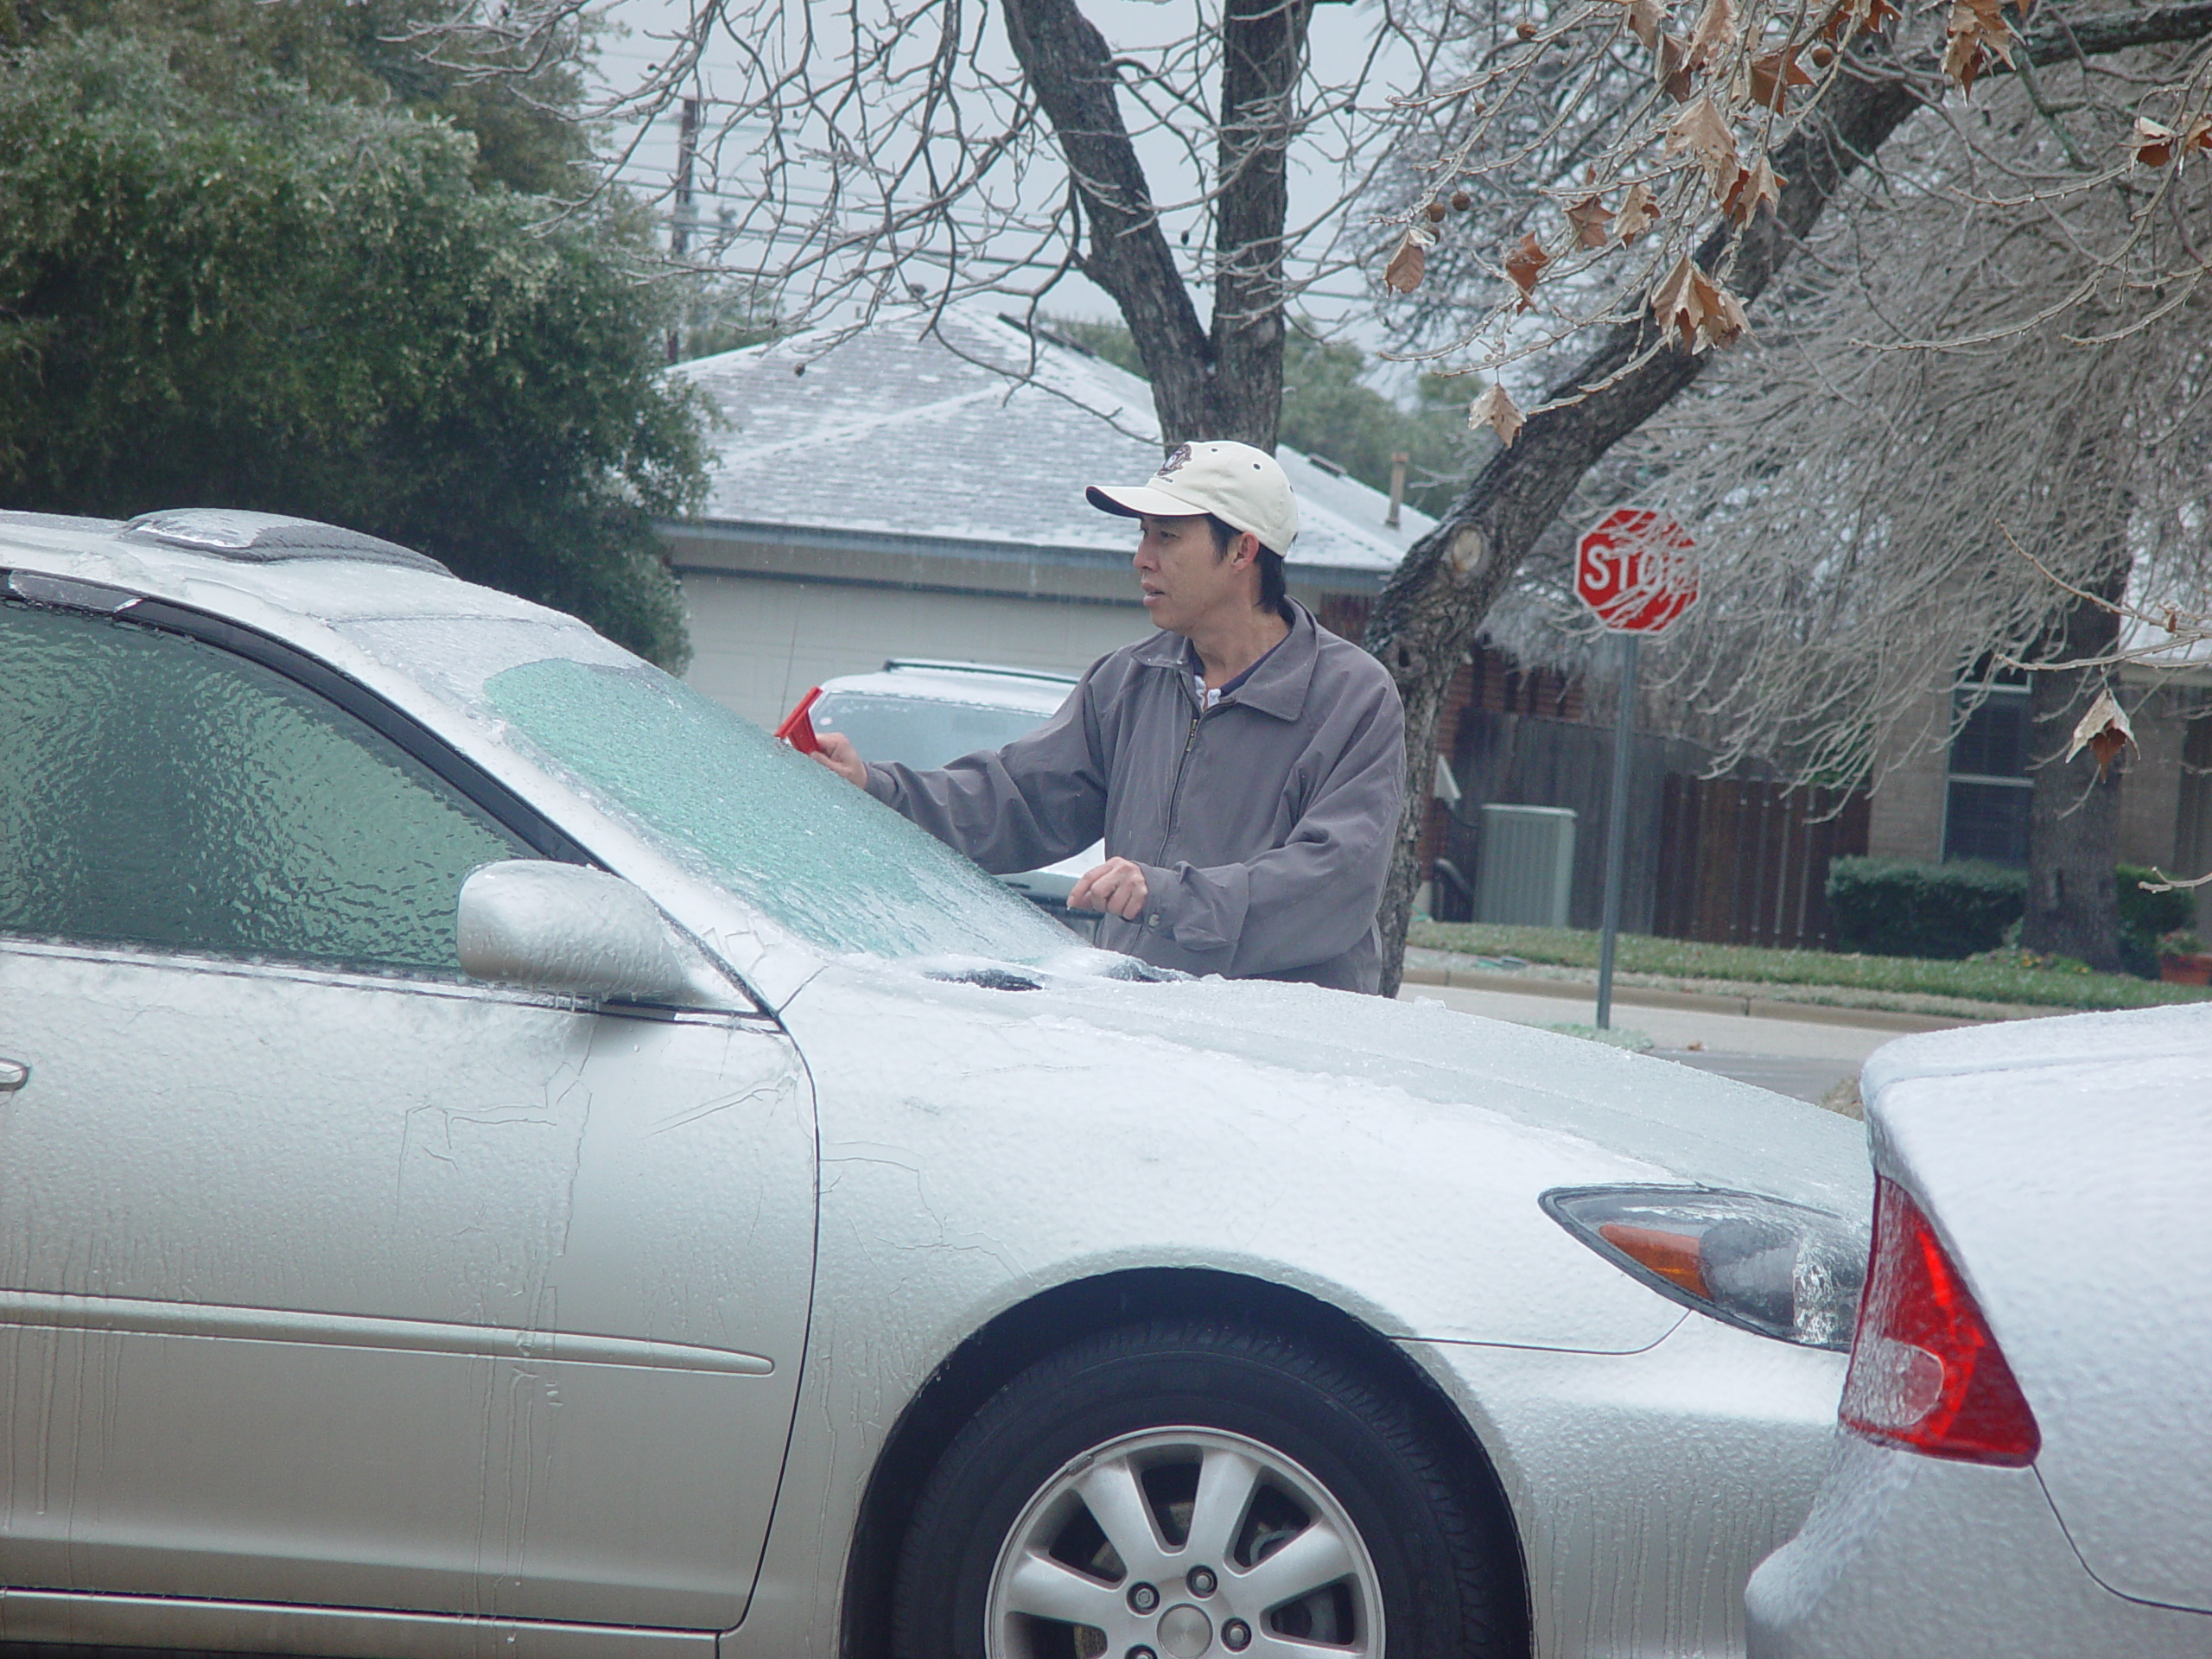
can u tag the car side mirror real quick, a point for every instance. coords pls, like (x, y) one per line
(562, 927)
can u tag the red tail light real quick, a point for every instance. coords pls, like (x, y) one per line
(1926, 1373)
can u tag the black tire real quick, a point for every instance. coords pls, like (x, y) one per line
(1443, 1574)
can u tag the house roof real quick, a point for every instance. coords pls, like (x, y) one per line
(898, 432)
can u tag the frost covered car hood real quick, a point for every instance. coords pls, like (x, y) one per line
(1312, 1137)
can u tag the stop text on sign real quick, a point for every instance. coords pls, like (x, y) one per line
(1636, 570)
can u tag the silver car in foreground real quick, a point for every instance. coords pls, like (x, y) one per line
(498, 1157)
(2027, 1465)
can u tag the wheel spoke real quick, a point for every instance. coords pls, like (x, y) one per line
(1043, 1588)
(1316, 1556)
(1226, 1480)
(1118, 1504)
(1266, 1645)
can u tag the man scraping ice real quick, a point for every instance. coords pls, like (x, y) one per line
(1245, 765)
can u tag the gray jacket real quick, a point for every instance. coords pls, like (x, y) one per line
(1264, 824)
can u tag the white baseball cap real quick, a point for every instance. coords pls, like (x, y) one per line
(1237, 483)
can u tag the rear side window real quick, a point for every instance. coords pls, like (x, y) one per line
(159, 791)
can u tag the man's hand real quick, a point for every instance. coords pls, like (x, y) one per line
(1117, 886)
(838, 755)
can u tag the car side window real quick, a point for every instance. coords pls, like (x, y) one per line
(160, 791)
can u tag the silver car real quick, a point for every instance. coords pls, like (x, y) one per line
(498, 1157)
(925, 713)
(2028, 1446)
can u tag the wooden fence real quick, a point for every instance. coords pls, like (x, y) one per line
(1746, 862)
(1736, 862)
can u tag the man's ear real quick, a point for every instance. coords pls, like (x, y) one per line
(1246, 553)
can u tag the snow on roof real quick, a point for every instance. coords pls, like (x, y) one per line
(890, 431)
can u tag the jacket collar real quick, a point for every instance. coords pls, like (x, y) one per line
(1277, 686)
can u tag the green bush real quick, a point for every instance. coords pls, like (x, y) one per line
(1896, 908)
(2143, 916)
(250, 296)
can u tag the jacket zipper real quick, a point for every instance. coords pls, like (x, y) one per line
(1175, 789)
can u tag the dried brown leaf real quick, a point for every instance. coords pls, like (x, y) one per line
(1701, 132)
(2104, 731)
(1639, 212)
(1977, 29)
(1592, 221)
(1525, 265)
(1495, 410)
(1408, 264)
(2154, 144)
(1853, 17)
(1720, 321)
(1670, 67)
(1697, 310)
(1646, 21)
(1714, 36)
(1675, 304)
(1757, 186)
(1773, 75)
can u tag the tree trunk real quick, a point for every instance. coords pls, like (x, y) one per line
(1225, 382)
(1263, 54)
(2073, 813)
(1425, 618)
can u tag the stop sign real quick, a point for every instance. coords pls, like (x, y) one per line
(1636, 570)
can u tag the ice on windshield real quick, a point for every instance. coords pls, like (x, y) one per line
(920, 731)
(790, 838)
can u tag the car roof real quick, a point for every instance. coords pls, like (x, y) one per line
(989, 685)
(265, 569)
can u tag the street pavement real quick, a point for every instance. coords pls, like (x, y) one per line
(1804, 1059)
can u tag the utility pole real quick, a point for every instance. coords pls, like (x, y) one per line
(679, 224)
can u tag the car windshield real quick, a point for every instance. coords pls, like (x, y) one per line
(920, 732)
(783, 834)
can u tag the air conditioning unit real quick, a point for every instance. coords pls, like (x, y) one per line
(1526, 870)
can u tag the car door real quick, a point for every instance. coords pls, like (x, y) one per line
(326, 1276)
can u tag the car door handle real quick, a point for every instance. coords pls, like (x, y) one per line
(14, 1074)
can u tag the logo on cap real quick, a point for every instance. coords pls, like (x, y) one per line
(1176, 457)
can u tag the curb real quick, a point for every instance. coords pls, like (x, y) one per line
(1755, 1008)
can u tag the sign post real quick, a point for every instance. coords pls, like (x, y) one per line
(1636, 573)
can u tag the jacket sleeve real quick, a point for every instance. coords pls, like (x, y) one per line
(1315, 897)
(1039, 799)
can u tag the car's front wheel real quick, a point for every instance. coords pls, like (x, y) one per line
(1192, 1488)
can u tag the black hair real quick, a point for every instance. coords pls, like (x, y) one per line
(1274, 588)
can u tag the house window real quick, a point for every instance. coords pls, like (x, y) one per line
(1985, 813)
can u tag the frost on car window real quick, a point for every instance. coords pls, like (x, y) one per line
(790, 837)
(161, 791)
(920, 731)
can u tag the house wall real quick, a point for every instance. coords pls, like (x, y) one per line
(759, 642)
(2150, 796)
(2193, 828)
(2166, 811)
(1904, 818)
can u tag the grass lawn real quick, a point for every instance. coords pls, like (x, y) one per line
(2064, 987)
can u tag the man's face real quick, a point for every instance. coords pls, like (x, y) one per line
(1185, 579)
